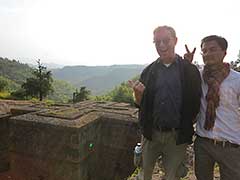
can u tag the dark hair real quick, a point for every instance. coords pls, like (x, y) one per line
(222, 42)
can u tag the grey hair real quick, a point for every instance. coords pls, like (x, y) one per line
(168, 28)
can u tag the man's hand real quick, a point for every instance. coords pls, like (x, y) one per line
(189, 55)
(138, 89)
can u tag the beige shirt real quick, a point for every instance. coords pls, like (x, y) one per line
(227, 123)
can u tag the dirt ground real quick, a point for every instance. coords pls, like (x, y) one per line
(158, 173)
(10, 176)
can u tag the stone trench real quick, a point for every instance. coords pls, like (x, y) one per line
(85, 141)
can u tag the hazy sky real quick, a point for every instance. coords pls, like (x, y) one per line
(106, 32)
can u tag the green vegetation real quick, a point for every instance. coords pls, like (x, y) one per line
(236, 65)
(98, 79)
(23, 82)
(13, 74)
(14, 70)
(121, 93)
(4, 95)
(134, 174)
(40, 85)
(3, 83)
(62, 91)
(81, 95)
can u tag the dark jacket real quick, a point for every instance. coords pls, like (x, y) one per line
(191, 94)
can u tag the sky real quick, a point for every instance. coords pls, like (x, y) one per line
(107, 32)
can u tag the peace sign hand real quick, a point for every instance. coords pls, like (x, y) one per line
(189, 55)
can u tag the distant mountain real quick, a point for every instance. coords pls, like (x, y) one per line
(48, 65)
(99, 79)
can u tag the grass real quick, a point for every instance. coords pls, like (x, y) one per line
(4, 95)
(134, 174)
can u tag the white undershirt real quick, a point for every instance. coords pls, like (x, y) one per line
(167, 65)
(227, 123)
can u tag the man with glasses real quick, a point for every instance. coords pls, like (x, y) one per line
(218, 123)
(168, 96)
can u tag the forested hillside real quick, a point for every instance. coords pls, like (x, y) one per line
(99, 79)
(14, 73)
(14, 70)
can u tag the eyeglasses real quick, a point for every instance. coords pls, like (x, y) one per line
(164, 41)
(213, 50)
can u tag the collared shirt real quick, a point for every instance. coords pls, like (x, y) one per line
(227, 122)
(167, 98)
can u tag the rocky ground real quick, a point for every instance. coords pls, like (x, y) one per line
(6, 105)
(158, 173)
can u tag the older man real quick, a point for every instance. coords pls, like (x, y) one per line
(168, 95)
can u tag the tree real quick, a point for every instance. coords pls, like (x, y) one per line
(3, 84)
(236, 64)
(40, 85)
(82, 95)
(19, 94)
(63, 91)
(123, 93)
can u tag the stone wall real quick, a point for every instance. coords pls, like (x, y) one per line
(4, 143)
(50, 152)
(118, 139)
(7, 105)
